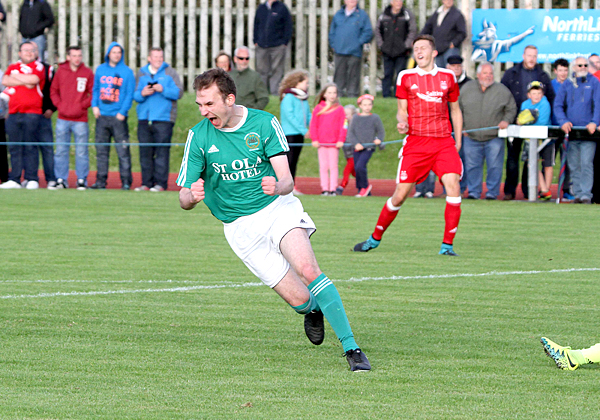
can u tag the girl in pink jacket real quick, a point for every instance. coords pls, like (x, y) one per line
(328, 135)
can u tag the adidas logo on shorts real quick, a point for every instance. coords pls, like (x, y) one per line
(302, 221)
(213, 149)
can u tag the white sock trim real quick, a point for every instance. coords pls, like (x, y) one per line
(391, 206)
(453, 200)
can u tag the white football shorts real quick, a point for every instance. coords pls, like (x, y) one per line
(255, 238)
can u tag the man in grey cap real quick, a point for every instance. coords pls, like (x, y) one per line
(455, 63)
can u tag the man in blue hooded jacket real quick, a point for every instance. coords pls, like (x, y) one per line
(350, 29)
(114, 84)
(158, 89)
(578, 104)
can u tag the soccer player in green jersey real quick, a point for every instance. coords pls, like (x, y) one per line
(235, 161)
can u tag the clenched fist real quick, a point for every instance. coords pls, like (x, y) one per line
(197, 191)
(269, 184)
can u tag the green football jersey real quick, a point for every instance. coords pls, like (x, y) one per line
(233, 162)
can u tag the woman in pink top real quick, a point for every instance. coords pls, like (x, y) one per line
(328, 135)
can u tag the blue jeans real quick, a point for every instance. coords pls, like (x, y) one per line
(442, 59)
(492, 151)
(391, 67)
(155, 160)
(360, 167)
(463, 180)
(81, 134)
(45, 135)
(107, 127)
(580, 159)
(428, 185)
(23, 128)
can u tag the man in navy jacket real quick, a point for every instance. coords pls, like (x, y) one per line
(516, 79)
(272, 32)
(447, 25)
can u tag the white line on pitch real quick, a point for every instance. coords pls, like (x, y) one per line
(255, 284)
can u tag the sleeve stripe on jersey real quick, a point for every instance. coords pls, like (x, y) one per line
(280, 135)
(183, 170)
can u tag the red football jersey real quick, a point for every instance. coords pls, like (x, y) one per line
(428, 94)
(23, 99)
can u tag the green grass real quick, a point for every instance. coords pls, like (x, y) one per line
(89, 331)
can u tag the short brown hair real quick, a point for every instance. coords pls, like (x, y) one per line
(155, 49)
(425, 38)
(218, 77)
(73, 48)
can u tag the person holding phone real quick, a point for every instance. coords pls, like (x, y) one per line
(158, 90)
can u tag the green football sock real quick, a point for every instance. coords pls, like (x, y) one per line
(332, 307)
(308, 306)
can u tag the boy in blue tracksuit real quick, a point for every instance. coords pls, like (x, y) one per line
(536, 100)
(158, 89)
(112, 96)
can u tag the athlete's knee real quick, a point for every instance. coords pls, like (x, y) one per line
(309, 272)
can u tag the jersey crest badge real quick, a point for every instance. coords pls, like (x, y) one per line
(252, 140)
(213, 149)
(444, 84)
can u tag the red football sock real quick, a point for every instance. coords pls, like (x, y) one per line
(386, 217)
(348, 169)
(452, 217)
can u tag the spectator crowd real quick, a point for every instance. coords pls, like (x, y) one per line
(32, 92)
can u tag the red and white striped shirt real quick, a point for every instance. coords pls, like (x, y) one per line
(428, 94)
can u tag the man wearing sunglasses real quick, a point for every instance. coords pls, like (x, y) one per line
(251, 90)
(578, 104)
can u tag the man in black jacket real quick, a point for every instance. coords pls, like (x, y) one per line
(44, 133)
(396, 31)
(516, 79)
(272, 32)
(448, 27)
(36, 16)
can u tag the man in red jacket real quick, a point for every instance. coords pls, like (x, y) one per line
(71, 93)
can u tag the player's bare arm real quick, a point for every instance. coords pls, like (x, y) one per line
(457, 123)
(189, 197)
(284, 183)
(402, 116)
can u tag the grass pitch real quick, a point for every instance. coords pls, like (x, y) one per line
(119, 305)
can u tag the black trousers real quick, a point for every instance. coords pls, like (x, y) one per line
(294, 153)
(3, 153)
(513, 155)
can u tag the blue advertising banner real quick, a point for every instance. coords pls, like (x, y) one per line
(501, 35)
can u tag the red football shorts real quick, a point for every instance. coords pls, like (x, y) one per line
(423, 154)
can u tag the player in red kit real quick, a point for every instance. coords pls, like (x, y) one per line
(423, 97)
